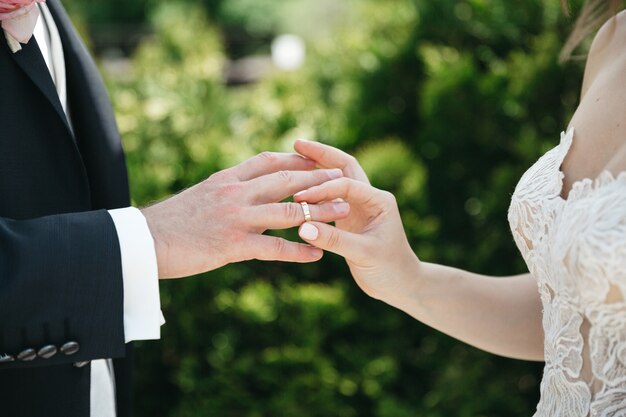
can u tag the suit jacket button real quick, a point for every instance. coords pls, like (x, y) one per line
(81, 364)
(47, 352)
(70, 348)
(6, 358)
(27, 355)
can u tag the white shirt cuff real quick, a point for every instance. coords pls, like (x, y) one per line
(142, 305)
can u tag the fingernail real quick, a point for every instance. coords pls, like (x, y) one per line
(308, 232)
(299, 193)
(335, 173)
(341, 208)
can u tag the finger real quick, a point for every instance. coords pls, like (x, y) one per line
(327, 156)
(347, 189)
(280, 185)
(268, 162)
(269, 248)
(327, 237)
(286, 215)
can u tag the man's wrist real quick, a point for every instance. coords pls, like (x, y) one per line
(161, 247)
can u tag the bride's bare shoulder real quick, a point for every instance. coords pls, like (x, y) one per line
(600, 142)
(607, 49)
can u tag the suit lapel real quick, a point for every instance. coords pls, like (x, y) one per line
(31, 61)
(93, 119)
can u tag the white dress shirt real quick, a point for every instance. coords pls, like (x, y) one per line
(142, 308)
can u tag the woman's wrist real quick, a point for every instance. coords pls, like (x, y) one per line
(409, 281)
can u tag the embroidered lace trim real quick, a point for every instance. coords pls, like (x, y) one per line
(576, 250)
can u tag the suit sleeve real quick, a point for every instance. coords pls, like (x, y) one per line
(61, 290)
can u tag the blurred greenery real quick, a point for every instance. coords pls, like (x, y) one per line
(445, 103)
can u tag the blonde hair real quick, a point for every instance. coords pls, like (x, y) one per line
(592, 15)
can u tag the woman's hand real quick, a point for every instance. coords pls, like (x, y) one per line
(499, 315)
(371, 237)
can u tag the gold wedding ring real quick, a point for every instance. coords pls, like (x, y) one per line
(307, 212)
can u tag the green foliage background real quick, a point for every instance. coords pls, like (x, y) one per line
(444, 102)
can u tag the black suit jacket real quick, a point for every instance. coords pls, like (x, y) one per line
(60, 268)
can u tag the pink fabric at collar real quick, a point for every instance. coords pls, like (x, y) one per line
(19, 17)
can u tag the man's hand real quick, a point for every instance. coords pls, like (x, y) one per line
(222, 219)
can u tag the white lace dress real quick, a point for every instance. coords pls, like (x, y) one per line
(576, 250)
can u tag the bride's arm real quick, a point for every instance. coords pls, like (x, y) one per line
(499, 315)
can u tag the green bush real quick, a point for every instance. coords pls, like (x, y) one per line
(445, 103)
